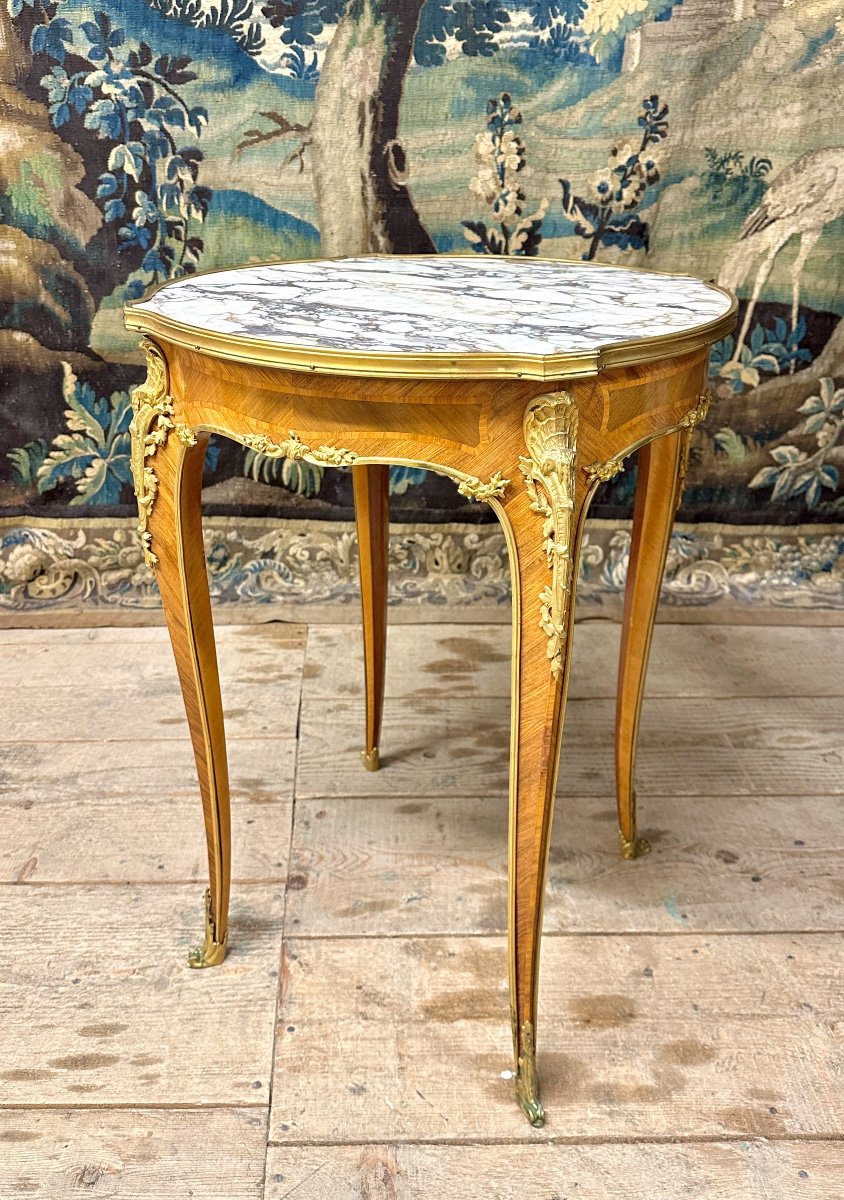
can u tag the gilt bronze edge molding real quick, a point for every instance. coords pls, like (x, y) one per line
(432, 364)
(549, 369)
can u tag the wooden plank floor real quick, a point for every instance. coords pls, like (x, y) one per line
(355, 1043)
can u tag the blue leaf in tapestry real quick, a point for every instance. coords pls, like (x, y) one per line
(95, 452)
(129, 100)
(799, 472)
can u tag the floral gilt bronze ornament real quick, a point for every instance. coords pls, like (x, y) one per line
(152, 422)
(551, 435)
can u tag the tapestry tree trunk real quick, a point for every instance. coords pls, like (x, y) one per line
(14, 56)
(359, 165)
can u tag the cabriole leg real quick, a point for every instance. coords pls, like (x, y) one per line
(372, 514)
(542, 521)
(167, 462)
(658, 489)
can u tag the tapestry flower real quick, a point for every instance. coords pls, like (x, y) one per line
(500, 158)
(605, 216)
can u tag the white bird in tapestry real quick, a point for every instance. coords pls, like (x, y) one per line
(802, 199)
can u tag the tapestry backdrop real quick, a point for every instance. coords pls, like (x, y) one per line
(142, 139)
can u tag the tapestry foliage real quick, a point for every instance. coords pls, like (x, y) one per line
(147, 139)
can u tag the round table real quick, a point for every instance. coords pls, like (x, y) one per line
(526, 381)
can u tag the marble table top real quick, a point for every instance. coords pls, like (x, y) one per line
(439, 304)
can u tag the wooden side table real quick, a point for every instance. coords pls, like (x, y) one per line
(527, 382)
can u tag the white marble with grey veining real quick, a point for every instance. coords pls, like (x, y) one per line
(440, 304)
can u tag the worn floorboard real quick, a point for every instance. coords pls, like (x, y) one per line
(688, 747)
(98, 1005)
(132, 1154)
(692, 1037)
(686, 660)
(715, 1171)
(154, 712)
(397, 866)
(128, 811)
(355, 1043)
(132, 691)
